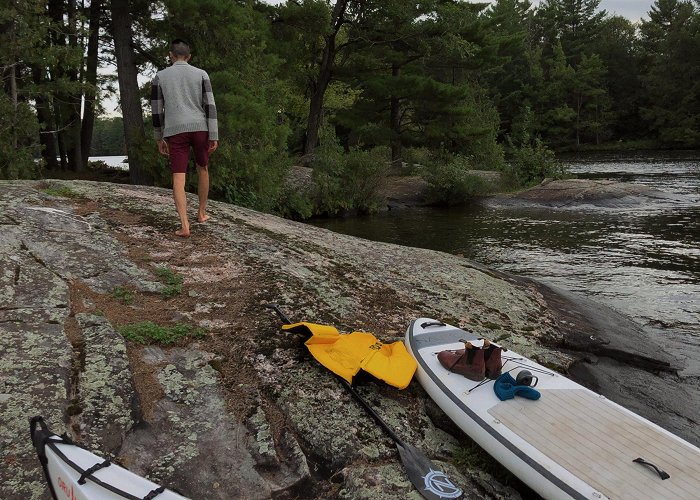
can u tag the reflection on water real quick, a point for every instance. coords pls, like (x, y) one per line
(643, 260)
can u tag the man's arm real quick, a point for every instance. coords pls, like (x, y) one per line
(157, 109)
(209, 108)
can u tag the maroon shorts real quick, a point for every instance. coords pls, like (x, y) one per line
(179, 147)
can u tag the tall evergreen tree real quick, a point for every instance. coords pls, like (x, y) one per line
(67, 93)
(89, 77)
(590, 100)
(19, 37)
(671, 42)
(558, 117)
(130, 100)
(388, 37)
(511, 23)
(618, 47)
(414, 66)
(574, 23)
(34, 69)
(308, 40)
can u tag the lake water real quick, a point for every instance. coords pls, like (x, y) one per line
(641, 259)
(118, 162)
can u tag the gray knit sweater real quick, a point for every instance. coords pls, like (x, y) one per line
(182, 101)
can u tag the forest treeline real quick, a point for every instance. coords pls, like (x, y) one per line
(353, 88)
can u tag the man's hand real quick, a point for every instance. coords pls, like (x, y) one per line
(213, 145)
(163, 147)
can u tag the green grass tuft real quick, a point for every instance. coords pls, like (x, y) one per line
(61, 191)
(172, 281)
(123, 294)
(147, 332)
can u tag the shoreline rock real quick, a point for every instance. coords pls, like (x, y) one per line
(572, 192)
(246, 384)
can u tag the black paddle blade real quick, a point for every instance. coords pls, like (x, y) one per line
(428, 479)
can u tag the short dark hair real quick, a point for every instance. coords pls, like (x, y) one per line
(179, 47)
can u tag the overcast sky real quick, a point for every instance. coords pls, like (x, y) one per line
(631, 9)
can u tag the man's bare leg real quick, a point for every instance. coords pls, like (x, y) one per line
(181, 204)
(203, 192)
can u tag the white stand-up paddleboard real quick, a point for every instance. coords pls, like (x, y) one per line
(570, 443)
(74, 473)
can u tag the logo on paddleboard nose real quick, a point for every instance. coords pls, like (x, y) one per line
(437, 483)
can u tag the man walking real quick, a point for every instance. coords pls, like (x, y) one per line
(184, 117)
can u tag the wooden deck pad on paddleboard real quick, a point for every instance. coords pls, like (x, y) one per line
(598, 442)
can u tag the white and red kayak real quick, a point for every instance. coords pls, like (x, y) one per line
(74, 473)
(569, 443)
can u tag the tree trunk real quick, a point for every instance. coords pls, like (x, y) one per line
(13, 92)
(90, 80)
(55, 8)
(73, 131)
(396, 153)
(44, 115)
(324, 78)
(129, 89)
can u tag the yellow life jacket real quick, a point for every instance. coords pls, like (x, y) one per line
(346, 354)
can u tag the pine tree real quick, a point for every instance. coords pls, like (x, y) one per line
(558, 117)
(28, 56)
(414, 66)
(671, 42)
(618, 48)
(309, 36)
(511, 21)
(591, 100)
(574, 23)
(130, 99)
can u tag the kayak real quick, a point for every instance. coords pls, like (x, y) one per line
(568, 441)
(75, 473)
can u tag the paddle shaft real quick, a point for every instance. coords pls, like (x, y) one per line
(372, 413)
(418, 467)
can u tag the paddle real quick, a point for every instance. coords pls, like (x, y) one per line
(428, 479)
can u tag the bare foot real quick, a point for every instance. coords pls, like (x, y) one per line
(202, 218)
(182, 233)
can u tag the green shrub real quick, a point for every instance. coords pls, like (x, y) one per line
(365, 174)
(123, 294)
(529, 164)
(172, 281)
(416, 159)
(530, 160)
(346, 181)
(295, 205)
(145, 152)
(451, 183)
(147, 332)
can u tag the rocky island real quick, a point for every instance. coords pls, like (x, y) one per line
(232, 407)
